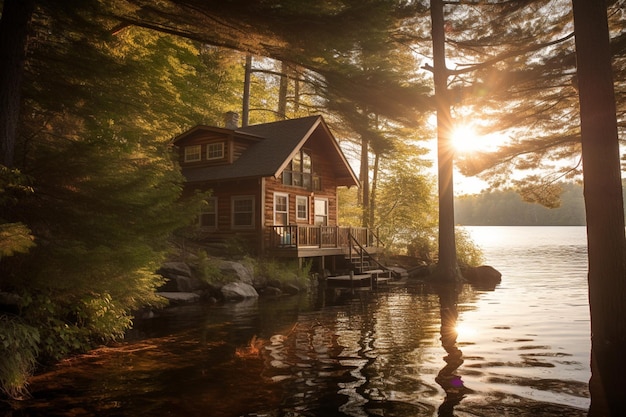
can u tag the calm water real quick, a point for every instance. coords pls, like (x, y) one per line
(521, 350)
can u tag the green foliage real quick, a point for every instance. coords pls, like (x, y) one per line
(19, 346)
(14, 238)
(283, 272)
(97, 189)
(206, 269)
(424, 246)
(405, 208)
(468, 254)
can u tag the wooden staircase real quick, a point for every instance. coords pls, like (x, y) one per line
(364, 263)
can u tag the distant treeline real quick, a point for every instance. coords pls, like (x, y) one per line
(506, 208)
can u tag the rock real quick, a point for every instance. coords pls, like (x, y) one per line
(238, 291)
(272, 291)
(291, 289)
(180, 297)
(171, 269)
(237, 271)
(483, 277)
(189, 284)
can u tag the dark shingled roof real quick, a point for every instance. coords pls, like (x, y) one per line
(269, 156)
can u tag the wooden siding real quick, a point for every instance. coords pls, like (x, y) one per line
(203, 140)
(224, 192)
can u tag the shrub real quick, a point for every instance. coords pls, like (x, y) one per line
(468, 254)
(283, 272)
(18, 353)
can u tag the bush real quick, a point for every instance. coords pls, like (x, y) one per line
(207, 271)
(424, 247)
(18, 353)
(467, 253)
(283, 272)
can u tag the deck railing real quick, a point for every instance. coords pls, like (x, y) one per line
(300, 236)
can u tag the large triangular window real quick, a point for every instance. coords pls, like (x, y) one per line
(299, 172)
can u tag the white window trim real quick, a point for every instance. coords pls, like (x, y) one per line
(315, 210)
(188, 153)
(202, 212)
(208, 147)
(306, 205)
(232, 211)
(276, 195)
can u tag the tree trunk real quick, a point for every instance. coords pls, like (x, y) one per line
(372, 205)
(245, 114)
(14, 26)
(447, 267)
(365, 180)
(603, 205)
(282, 90)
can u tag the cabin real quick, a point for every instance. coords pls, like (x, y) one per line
(274, 186)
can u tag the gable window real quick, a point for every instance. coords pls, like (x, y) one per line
(321, 212)
(299, 171)
(302, 208)
(215, 151)
(193, 153)
(243, 212)
(281, 209)
(208, 214)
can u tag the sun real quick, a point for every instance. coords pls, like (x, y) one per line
(466, 140)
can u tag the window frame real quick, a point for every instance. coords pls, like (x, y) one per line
(234, 200)
(187, 153)
(299, 200)
(299, 171)
(285, 212)
(325, 215)
(209, 147)
(211, 203)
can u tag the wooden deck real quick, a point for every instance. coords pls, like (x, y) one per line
(302, 241)
(371, 279)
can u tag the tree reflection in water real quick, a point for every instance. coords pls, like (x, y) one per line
(447, 378)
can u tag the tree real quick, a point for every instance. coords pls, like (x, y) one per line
(603, 203)
(86, 222)
(14, 26)
(447, 266)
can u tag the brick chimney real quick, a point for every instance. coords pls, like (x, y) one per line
(231, 120)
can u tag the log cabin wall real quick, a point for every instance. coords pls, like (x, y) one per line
(224, 192)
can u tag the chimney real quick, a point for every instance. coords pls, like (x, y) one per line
(231, 120)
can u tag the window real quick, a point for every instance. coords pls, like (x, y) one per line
(281, 209)
(243, 212)
(321, 212)
(193, 153)
(298, 172)
(302, 208)
(215, 151)
(208, 214)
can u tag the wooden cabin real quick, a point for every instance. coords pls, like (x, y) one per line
(274, 186)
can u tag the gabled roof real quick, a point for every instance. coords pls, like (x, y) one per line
(277, 144)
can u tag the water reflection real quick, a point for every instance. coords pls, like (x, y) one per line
(391, 352)
(451, 382)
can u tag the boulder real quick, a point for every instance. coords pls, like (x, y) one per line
(180, 297)
(291, 289)
(189, 284)
(272, 291)
(237, 271)
(482, 277)
(171, 269)
(238, 291)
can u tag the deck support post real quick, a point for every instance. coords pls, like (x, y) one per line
(352, 281)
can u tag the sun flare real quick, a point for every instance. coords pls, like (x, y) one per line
(466, 140)
(464, 330)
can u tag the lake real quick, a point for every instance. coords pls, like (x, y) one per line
(404, 350)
